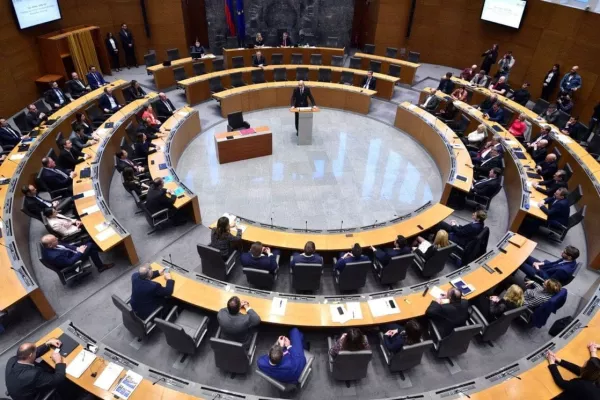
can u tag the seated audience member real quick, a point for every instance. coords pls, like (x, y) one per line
(496, 113)
(518, 127)
(307, 257)
(544, 135)
(95, 78)
(448, 113)
(548, 187)
(286, 41)
(446, 84)
(570, 128)
(548, 167)
(258, 40)
(424, 249)
(26, 380)
(164, 107)
(571, 82)
(123, 162)
(487, 104)
(522, 95)
(539, 151)
(353, 340)
(135, 90)
(485, 151)
(35, 117)
(81, 121)
(80, 140)
(400, 248)
(431, 103)
(158, 198)
(397, 336)
(143, 147)
(69, 156)
(500, 87)
(236, 326)
(585, 385)
(463, 234)
(108, 103)
(493, 307)
(9, 136)
(354, 255)
(469, 73)
(61, 224)
(555, 207)
(564, 103)
(448, 312)
(488, 186)
(36, 205)
(63, 255)
(222, 239)
(494, 160)
(369, 81)
(260, 257)
(536, 294)
(480, 79)
(56, 97)
(146, 294)
(258, 60)
(132, 183)
(53, 177)
(550, 115)
(286, 358)
(562, 269)
(150, 119)
(77, 87)
(460, 94)
(477, 136)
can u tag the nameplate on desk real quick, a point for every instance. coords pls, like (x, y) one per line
(162, 166)
(109, 125)
(85, 173)
(461, 178)
(88, 193)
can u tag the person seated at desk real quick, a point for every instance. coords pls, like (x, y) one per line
(355, 255)
(152, 123)
(585, 385)
(522, 95)
(143, 147)
(258, 60)
(479, 80)
(448, 113)
(95, 78)
(397, 336)
(235, 326)
(108, 103)
(197, 48)
(260, 257)
(571, 82)
(80, 139)
(286, 41)
(460, 93)
(539, 151)
(400, 248)
(448, 312)
(222, 239)
(493, 307)
(536, 294)
(69, 156)
(81, 121)
(61, 224)
(488, 186)
(548, 187)
(26, 380)
(431, 103)
(77, 87)
(564, 103)
(353, 340)
(146, 294)
(286, 359)
(570, 128)
(54, 178)
(562, 269)
(9, 136)
(123, 162)
(164, 107)
(425, 249)
(56, 97)
(135, 90)
(548, 167)
(500, 87)
(369, 81)
(446, 84)
(309, 256)
(518, 127)
(63, 255)
(550, 115)
(258, 40)
(487, 104)
(495, 114)
(36, 205)
(469, 73)
(477, 136)
(35, 117)
(158, 198)
(463, 234)
(494, 160)
(485, 151)
(131, 182)
(556, 209)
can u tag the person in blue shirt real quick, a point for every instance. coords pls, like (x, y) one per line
(260, 257)
(496, 113)
(571, 82)
(147, 295)
(355, 255)
(400, 248)
(286, 359)
(95, 78)
(307, 257)
(562, 269)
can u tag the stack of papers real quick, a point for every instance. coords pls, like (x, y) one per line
(436, 292)
(127, 385)
(105, 234)
(383, 306)
(108, 376)
(278, 306)
(89, 193)
(80, 363)
(17, 156)
(231, 218)
(241, 227)
(91, 209)
(102, 226)
(343, 313)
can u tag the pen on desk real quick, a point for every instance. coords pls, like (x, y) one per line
(280, 303)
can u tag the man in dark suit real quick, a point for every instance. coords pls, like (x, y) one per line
(286, 360)
(300, 97)
(548, 167)
(463, 234)
(164, 107)
(431, 103)
(128, 46)
(562, 269)
(488, 186)
(69, 156)
(147, 295)
(496, 113)
(446, 85)
(35, 205)
(77, 87)
(550, 186)
(449, 312)
(369, 81)
(539, 151)
(159, 198)
(35, 117)
(544, 135)
(258, 60)
(108, 103)
(9, 136)
(80, 139)
(260, 257)
(25, 380)
(309, 256)
(384, 256)
(493, 160)
(63, 255)
(54, 178)
(488, 103)
(236, 326)
(286, 41)
(56, 97)
(95, 78)
(123, 162)
(556, 209)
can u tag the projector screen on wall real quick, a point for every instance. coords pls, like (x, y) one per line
(504, 12)
(35, 12)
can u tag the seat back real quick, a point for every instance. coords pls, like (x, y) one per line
(236, 120)
(47, 264)
(150, 59)
(236, 79)
(437, 261)
(41, 106)
(277, 58)
(29, 214)
(199, 68)
(457, 342)
(396, 269)
(60, 140)
(215, 84)
(259, 278)
(179, 73)
(332, 41)
(21, 121)
(540, 106)
(94, 113)
(211, 262)
(395, 70)
(230, 356)
(301, 74)
(173, 54)
(355, 62)
(569, 171)
(414, 56)
(176, 336)
(347, 78)
(577, 217)
(410, 356)
(237, 62)
(375, 66)
(296, 58)
(508, 116)
(354, 275)
(562, 119)
(391, 52)
(218, 65)
(324, 75)
(231, 42)
(142, 206)
(369, 49)
(258, 76)
(316, 59)
(279, 74)
(337, 61)
(542, 313)
(131, 321)
(307, 277)
(500, 325)
(476, 247)
(351, 365)
(579, 133)
(575, 195)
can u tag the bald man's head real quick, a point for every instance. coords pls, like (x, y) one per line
(49, 241)
(26, 352)
(145, 271)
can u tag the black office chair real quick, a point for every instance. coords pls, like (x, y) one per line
(42, 187)
(179, 74)
(369, 49)
(473, 250)
(237, 80)
(232, 42)
(291, 387)
(261, 278)
(337, 61)
(456, 343)
(540, 106)
(332, 41)
(258, 76)
(316, 59)
(199, 68)
(183, 329)
(213, 264)
(218, 65)
(492, 330)
(60, 141)
(395, 70)
(436, 263)
(391, 52)
(575, 195)
(349, 366)
(347, 78)
(157, 220)
(215, 84)
(484, 201)
(231, 356)
(355, 62)
(301, 74)
(306, 277)
(408, 357)
(41, 106)
(563, 118)
(21, 121)
(414, 57)
(235, 121)
(375, 66)
(324, 75)
(353, 276)
(150, 60)
(70, 274)
(558, 233)
(394, 271)
(173, 54)
(96, 115)
(237, 62)
(140, 328)
(297, 59)
(276, 58)
(508, 117)
(73, 238)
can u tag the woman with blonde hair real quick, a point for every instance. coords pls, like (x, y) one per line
(537, 294)
(477, 136)
(259, 41)
(426, 249)
(493, 307)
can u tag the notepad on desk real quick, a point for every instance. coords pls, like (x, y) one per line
(162, 166)
(88, 193)
(127, 385)
(339, 313)
(278, 306)
(383, 306)
(108, 376)
(17, 157)
(168, 179)
(436, 292)
(80, 363)
(91, 209)
(102, 226)
(179, 192)
(105, 234)
(354, 309)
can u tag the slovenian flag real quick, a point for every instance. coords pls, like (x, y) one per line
(241, 21)
(229, 16)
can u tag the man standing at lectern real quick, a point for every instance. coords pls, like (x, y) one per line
(300, 98)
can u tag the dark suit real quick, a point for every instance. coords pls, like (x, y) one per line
(104, 103)
(147, 295)
(300, 99)
(287, 42)
(34, 119)
(36, 205)
(126, 41)
(521, 96)
(561, 270)
(87, 128)
(67, 256)
(25, 382)
(487, 164)
(157, 200)
(432, 102)
(550, 186)
(95, 80)
(298, 258)
(557, 210)
(142, 150)
(548, 169)
(264, 262)
(258, 61)
(486, 187)
(80, 142)
(446, 86)
(113, 51)
(9, 137)
(77, 88)
(448, 316)
(194, 49)
(372, 83)
(69, 159)
(539, 155)
(162, 110)
(341, 262)
(462, 234)
(384, 256)
(496, 116)
(134, 93)
(55, 179)
(124, 163)
(238, 327)
(576, 388)
(53, 96)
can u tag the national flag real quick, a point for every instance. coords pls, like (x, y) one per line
(229, 16)
(241, 21)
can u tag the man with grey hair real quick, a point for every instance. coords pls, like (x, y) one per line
(146, 294)
(164, 107)
(449, 311)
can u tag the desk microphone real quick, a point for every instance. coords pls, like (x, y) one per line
(511, 374)
(171, 259)
(460, 391)
(305, 223)
(342, 225)
(162, 378)
(271, 222)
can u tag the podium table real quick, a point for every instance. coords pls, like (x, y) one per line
(244, 144)
(305, 124)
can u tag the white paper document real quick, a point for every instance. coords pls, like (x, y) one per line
(182, 113)
(278, 306)
(354, 310)
(105, 234)
(383, 306)
(436, 292)
(17, 156)
(89, 193)
(108, 376)
(339, 313)
(80, 363)
(127, 385)
(102, 226)
(91, 209)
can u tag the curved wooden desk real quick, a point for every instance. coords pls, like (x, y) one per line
(278, 94)
(407, 72)
(164, 77)
(197, 89)
(286, 52)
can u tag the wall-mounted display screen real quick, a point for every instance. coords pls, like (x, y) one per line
(504, 12)
(35, 12)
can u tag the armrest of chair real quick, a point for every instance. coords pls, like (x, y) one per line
(538, 279)
(229, 128)
(162, 215)
(306, 371)
(139, 160)
(201, 327)
(232, 258)
(329, 346)
(434, 331)
(272, 381)
(58, 192)
(171, 314)
(153, 315)
(46, 396)
(477, 317)
(73, 267)
(218, 333)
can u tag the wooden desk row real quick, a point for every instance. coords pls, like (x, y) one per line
(164, 77)
(278, 94)
(408, 69)
(326, 52)
(197, 89)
